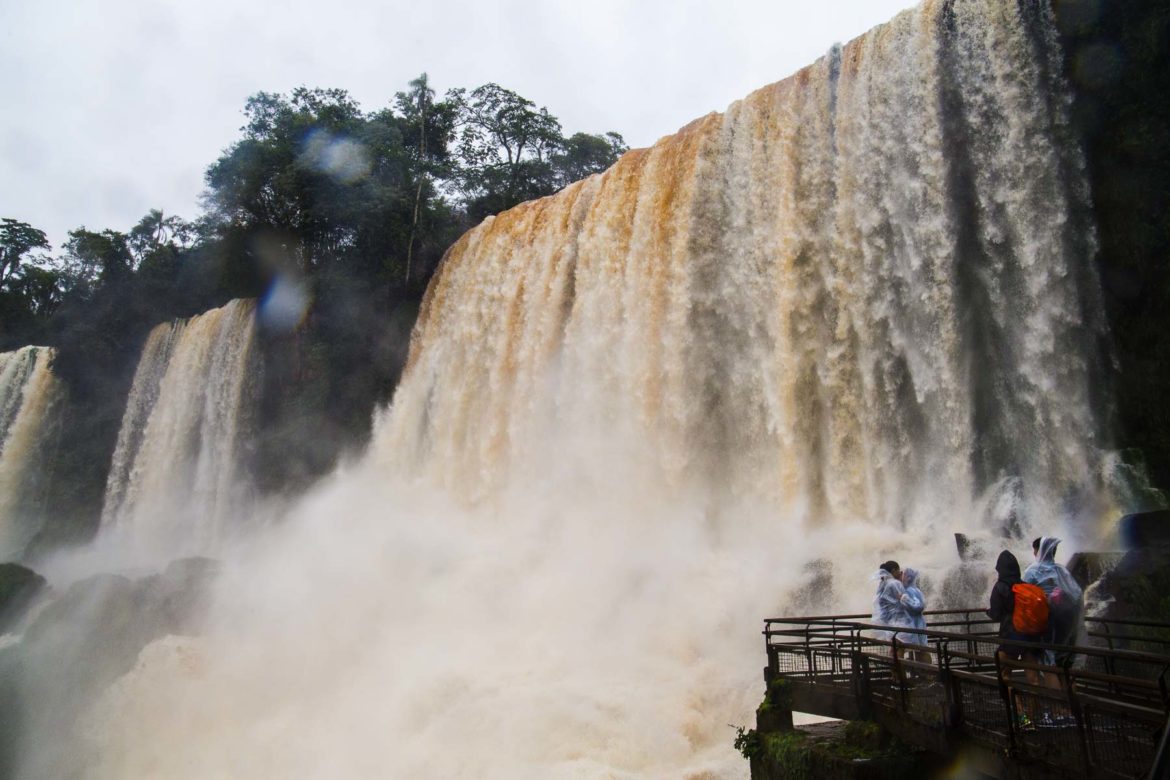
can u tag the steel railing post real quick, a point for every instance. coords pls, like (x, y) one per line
(899, 671)
(1074, 706)
(1109, 665)
(1005, 693)
(952, 701)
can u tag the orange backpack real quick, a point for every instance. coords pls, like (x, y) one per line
(1030, 614)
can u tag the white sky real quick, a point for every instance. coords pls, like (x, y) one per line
(109, 108)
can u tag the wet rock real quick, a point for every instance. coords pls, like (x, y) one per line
(1138, 588)
(81, 642)
(1145, 529)
(98, 626)
(1088, 567)
(19, 587)
(969, 549)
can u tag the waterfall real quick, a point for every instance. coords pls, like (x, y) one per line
(865, 291)
(175, 478)
(29, 394)
(721, 381)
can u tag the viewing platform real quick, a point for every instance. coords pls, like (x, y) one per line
(1107, 717)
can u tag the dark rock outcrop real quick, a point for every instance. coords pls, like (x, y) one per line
(1145, 530)
(19, 587)
(80, 643)
(969, 549)
(1088, 567)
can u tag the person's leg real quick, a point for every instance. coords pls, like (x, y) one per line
(1053, 679)
(1034, 677)
(1048, 657)
(1007, 658)
(1005, 675)
(919, 655)
(900, 651)
(1064, 633)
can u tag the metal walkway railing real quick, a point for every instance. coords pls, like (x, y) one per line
(1100, 715)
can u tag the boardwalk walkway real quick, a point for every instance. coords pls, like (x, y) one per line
(1103, 716)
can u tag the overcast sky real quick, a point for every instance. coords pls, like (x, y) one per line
(110, 108)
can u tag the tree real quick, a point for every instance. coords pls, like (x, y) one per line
(96, 258)
(505, 147)
(30, 291)
(17, 239)
(510, 151)
(155, 232)
(427, 129)
(313, 175)
(41, 289)
(584, 154)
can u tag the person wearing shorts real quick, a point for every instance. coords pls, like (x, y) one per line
(1003, 604)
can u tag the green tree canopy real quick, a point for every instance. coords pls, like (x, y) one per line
(30, 289)
(312, 171)
(93, 258)
(505, 149)
(156, 232)
(17, 239)
(583, 155)
(510, 151)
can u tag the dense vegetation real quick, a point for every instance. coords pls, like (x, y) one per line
(351, 210)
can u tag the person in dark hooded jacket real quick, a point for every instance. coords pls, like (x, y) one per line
(1003, 604)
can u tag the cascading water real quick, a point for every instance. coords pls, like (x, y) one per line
(856, 311)
(28, 394)
(175, 478)
(863, 292)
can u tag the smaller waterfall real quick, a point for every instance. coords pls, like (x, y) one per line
(175, 477)
(29, 394)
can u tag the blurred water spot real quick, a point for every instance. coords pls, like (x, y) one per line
(284, 304)
(344, 159)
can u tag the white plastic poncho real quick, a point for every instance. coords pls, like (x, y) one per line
(1063, 591)
(888, 609)
(914, 603)
(1055, 580)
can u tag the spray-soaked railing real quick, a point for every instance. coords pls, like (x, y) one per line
(1137, 635)
(1101, 713)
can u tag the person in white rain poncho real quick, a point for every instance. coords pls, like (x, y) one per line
(915, 604)
(1064, 597)
(888, 609)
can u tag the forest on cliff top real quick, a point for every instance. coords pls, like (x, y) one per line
(348, 211)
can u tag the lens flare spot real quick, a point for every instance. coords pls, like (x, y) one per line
(285, 304)
(344, 159)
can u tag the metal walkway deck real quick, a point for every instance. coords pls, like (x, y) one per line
(1103, 716)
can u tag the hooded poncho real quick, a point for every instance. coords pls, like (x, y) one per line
(1063, 591)
(888, 609)
(1055, 580)
(915, 603)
